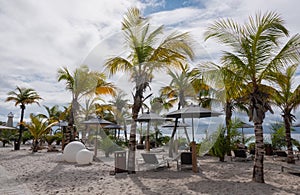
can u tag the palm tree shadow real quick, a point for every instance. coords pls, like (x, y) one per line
(218, 186)
(58, 177)
(161, 187)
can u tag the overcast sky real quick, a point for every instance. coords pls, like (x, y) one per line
(39, 37)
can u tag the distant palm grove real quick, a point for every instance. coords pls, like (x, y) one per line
(254, 75)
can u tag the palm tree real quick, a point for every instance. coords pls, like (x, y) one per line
(83, 82)
(225, 84)
(86, 110)
(38, 128)
(120, 109)
(254, 57)
(179, 88)
(22, 97)
(146, 55)
(53, 112)
(287, 100)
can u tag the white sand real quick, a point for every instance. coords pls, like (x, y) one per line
(43, 174)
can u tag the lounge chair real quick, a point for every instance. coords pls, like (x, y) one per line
(241, 154)
(151, 161)
(185, 161)
(279, 155)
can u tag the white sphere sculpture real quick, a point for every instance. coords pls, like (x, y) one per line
(84, 157)
(71, 149)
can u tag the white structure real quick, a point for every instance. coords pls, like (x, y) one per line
(84, 157)
(71, 151)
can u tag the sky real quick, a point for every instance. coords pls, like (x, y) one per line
(39, 37)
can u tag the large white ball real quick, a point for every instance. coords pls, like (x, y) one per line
(84, 157)
(71, 149)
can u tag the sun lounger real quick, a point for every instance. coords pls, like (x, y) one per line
(279, 155)
(241, 154)
(152, 162)
(184, 161)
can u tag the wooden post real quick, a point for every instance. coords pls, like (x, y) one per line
(194, 157)
(148, 137)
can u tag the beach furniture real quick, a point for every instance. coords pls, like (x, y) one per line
(152, 162)
(241, 155)
(184, 161)
(279, 155)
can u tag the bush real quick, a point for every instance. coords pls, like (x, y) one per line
(220, 147)
(278, 136)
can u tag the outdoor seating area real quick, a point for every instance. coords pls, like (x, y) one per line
(152, 162)
(279, 155)
(148, 97)
(241, 155)
(185, 161)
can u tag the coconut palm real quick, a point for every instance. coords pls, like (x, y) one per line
(83, 82)
(120, 109)
(22, 97)
(179, 88)
(225, 84)
(255, 54)
(86, 110)
(146, 55)
(53, 112)
(38, 127)
(287, 100)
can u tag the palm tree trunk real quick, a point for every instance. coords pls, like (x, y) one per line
(132, 138)
(290, 158)
(258, 168)
(125, 131)
(18, 143)
(69, 133)
(228, 112)
(35, 145)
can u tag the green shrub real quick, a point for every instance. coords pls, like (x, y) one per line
(278, 136)
(220, 147)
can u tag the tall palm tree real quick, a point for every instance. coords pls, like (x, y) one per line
(120, 109)
(225, 90)
(254, 55)
(22, 97)
(146, 55)
(179, 88)
(83, 82)
(287, 100)
(38, 127)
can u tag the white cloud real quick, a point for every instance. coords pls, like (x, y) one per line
(38, 37)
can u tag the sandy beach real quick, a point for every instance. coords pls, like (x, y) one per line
(42, 173)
